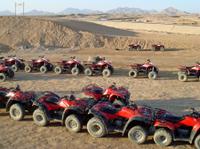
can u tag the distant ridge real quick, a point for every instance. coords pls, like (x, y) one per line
(121, 10)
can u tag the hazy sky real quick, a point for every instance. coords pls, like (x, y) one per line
(59, 5)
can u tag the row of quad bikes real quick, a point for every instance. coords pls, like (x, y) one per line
(99, 66)
(103, 111)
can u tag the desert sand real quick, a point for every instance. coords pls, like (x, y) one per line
(166, 92)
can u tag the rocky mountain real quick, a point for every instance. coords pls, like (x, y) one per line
(173, 11)
(38, 13)
(127, 10)
(79, 11)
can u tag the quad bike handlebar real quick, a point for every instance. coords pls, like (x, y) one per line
(194, 113)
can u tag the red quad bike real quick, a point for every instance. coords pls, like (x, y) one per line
(133, 47)
(5, 73)
(189, 72)
(71, 111)
(14, 62)
(99, 66)
(113, 94)
(19, 103)
(135, 121)
(158, 47)
(144, 69)
(74, 66)
(42, 64)
(171, 128)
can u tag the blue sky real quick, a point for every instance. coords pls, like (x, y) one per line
(59, 5)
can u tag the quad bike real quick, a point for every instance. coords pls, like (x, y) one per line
(14, 62)
(135, 47)
(146, 69)
(158, 47)
(3, 96)
(70, 111)
(188, 72)
(169, 128)
(74, 66)
(42, 64)
(5, 73)
(136, 121)
(99, 66)
(113, 93)
(19, 103)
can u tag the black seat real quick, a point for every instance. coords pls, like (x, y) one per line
(110, 109)
(53, 100)
(172, 118)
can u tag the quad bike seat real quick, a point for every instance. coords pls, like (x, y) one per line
(172, 118)
(110, 109)
(53, 100)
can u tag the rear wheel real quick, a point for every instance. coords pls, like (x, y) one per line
(17, 112)
(2, 77)
(133, 73)
(153, 49)
(73, 123)
(182, 77)
(43, 69)
(11, 73)
(40, 118)
(27, 69)
(152, 75)
(197, 142)
(96, 128)
(15, 68)
(162, 49)
(75, 71)
(58, 70)
(137, 134)
(106, 72)
(162, 137)
(139, 48)
(88, 72)
(131, 49)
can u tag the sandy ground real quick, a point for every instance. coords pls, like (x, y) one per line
(166, 92)
(180, 29)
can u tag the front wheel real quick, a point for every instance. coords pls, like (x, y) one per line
(15, 68)
(17, 112)
(40, 118)
(73, 123)
(162, 137)
(96, 128)
(106, 72)
(88, 72)
(182, 77)
(75, 71)
(137, 134)
(152, 75)
(2, 77)
(197, 142)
